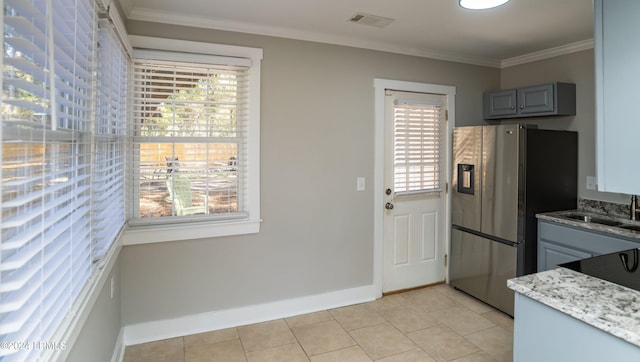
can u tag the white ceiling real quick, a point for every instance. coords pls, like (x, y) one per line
(513, 33)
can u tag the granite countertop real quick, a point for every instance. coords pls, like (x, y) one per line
(561, 218)
(604, 305)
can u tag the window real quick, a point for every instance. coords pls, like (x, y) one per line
(189, 124)
(56, 162)
(109, 153)
(195, 137)
(416, 147)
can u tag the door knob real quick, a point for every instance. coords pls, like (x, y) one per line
(388, 192)
(388, 206)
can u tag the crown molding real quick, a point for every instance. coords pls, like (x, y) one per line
(152, 15)
(548, 53)
(157, 16)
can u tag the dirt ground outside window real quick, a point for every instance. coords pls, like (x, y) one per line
(155, 200)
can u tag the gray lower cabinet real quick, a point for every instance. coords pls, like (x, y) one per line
(550, 255)
(550, 99)
(542, 333)
(560, 243)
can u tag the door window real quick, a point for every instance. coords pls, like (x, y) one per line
(416, 147)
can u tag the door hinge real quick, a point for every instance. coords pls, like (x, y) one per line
(446, 187)
(445, 260)
(446, 114)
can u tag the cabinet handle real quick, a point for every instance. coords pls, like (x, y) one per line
(513, 107)
(521, 107)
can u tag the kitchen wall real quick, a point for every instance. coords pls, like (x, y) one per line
(317, 137)
(575, 68)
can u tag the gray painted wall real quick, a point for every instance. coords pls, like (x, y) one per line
(317, 136)
(99, 334)
(575, 68)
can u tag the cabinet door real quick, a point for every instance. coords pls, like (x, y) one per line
(550, 255)
(536, 99)
(500, 103)
(617, 53)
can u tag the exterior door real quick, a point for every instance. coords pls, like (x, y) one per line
(414, 191)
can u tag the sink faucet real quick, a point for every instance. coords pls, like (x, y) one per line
(634, 207)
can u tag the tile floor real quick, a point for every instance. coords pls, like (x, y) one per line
(436, 323)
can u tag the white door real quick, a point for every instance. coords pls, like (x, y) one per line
(414, 190)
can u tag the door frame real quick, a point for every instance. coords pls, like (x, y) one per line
(380, 85)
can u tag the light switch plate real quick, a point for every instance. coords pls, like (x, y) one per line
(360, 184)
(592, 183)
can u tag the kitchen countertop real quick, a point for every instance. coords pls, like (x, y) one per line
(560, 217)
(607, 306)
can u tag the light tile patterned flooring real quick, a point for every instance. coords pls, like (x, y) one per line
(437, 323)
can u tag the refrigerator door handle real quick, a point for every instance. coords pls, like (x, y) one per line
(486, 236)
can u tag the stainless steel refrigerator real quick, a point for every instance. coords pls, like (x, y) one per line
(502, 176)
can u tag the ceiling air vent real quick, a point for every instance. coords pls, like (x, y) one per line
(371, 20)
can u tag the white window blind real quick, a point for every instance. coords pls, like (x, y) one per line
(109, 154)
(417, 134)
(49, 234)
(189, 139)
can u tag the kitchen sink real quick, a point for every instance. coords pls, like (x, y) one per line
(594, 220)
(598, 220)
(579, 217)
(589, 218)
(634, 228)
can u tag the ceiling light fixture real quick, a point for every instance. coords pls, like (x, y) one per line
(481, 4)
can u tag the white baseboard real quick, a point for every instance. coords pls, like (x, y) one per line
(210, 321)
(118, 350)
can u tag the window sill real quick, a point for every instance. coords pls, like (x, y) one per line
(147, 234)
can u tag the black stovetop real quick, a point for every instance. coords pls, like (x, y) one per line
(621, 267)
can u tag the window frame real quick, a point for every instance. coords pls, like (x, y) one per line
(144, 232)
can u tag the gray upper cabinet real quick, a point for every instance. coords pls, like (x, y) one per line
(500, 103)
(551, 99)
(617, 54)
(536, 99)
